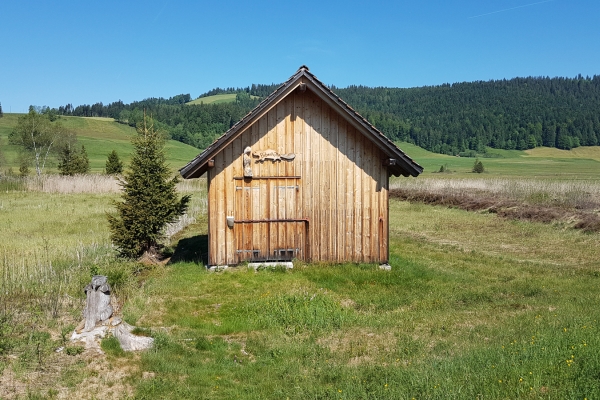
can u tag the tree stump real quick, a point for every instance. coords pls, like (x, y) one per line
(97, 303)
(99, 320)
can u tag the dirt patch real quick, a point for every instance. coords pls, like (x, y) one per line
(585, 219)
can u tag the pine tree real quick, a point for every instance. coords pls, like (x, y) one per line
(1, 113)
(149, 197)
(114, 165)
(66, 159)
(72, 162)
(83, 162)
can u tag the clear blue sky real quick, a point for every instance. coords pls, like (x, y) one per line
(82, 52)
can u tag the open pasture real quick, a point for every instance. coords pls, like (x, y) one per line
(216, 99)
(540, 163)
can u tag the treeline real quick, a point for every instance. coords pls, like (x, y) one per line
(254, 90)
(461, 118)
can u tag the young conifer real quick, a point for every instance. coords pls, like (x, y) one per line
(66, 160)
(149, 197)
(83, 162)
(72, 162)
(478, 167)
(114, 166)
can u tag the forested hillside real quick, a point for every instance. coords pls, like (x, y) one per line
(462, 118)
(520, 113)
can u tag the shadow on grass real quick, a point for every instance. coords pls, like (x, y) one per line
(192, 249)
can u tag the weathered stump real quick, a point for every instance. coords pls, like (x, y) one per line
(99, 320)
(97, 303)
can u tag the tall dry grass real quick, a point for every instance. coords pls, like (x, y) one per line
(575, 194)
(89, 183)
(94, 183)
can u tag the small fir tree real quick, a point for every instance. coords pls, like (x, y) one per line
(1, 113)
(72, 162)
(114, 166)
(66, 160)
(83, 162)
(149, 197)
(478, 167)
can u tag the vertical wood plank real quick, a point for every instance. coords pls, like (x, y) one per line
(271, 139)
(280, 141)
(316, 138)
(273, 211)
(288, 166)
(366, 192)
(212, 224)
(220, 215)
(358, 248)
(299, 163)
(350, 193)
(228, 199)
(333, 186)
(264, 231)
(255, 214)
(383, 213)
(237, 164)
(280, 167)
(254, 144)
(326, 184)
(339, 184)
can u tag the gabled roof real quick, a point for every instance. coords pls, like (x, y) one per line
(404, 165)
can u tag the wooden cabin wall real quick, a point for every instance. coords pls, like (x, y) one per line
(343, 186)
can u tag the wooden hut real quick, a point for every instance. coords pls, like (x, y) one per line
(302, 176)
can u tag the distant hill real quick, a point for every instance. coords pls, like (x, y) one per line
(99, 136)
(456, 119)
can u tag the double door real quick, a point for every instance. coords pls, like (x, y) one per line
(268, 223)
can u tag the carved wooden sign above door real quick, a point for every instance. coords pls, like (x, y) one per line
(272, 155)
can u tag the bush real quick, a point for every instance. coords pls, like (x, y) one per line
(478, 167)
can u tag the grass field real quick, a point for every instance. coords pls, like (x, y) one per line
(475, 306)
(216, 99)
(99, 136)
(541, 163)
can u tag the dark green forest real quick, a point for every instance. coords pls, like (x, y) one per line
(461, 118)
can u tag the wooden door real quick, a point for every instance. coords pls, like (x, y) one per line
(267, 221)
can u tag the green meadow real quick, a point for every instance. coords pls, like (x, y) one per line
(475, 306)
(540, 163)
(216, 99)
(100, 136)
